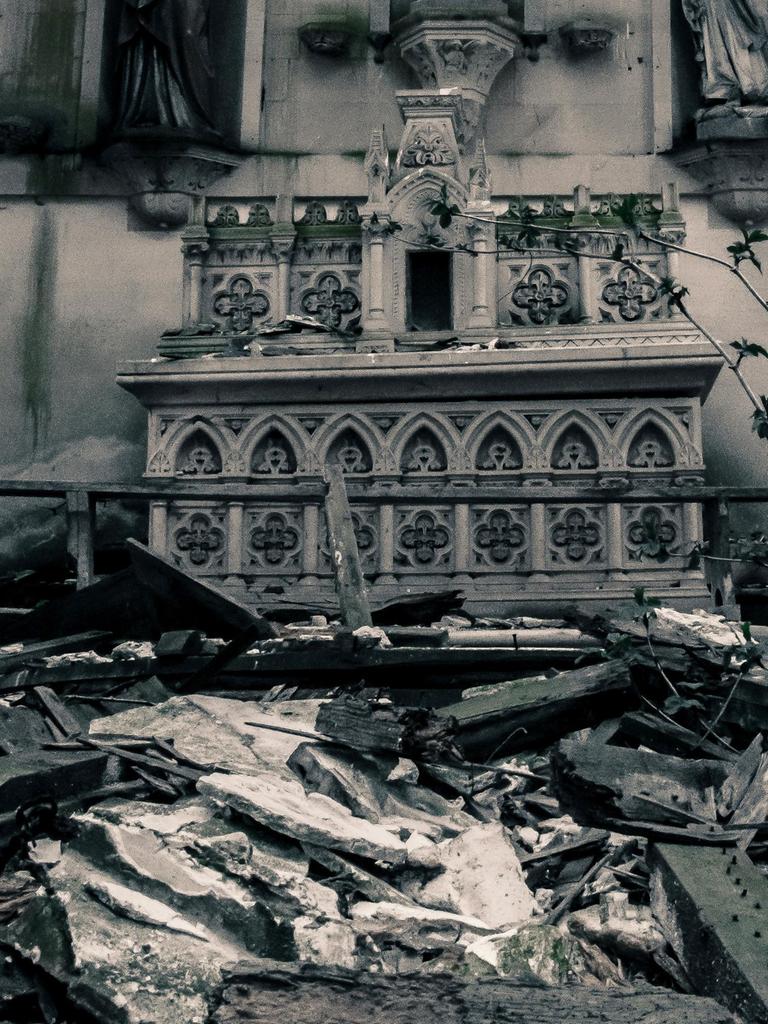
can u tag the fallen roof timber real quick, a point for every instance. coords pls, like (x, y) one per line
(712, 905)
(304, 995)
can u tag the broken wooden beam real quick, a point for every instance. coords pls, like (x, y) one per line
(517, 715)
(176, 588)
(304, 994)
(602, 785)
(712, 905)
(48, 648)
(345, 556)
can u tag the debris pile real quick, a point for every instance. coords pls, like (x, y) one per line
(309, 819)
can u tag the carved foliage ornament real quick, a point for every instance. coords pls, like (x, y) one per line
(576, 537)
(652, 534)
(428, 148)
(275, 540)
(423, 539)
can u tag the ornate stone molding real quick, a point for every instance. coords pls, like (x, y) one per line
(735, 175)
(161, 175)
(432, 135)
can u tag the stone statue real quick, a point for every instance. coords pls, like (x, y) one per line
(164, 69)
(732, 46)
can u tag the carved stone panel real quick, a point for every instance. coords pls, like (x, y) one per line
(628, 296)
(423, 539)
(576, 536)
(500, 538)
(539, 295)
(274, 539)
(240, 305)
(198, 538)
(653, 533)
(331, 296)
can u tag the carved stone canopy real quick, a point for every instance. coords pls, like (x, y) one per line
(736, 178)
(457, 46)
(160, 175)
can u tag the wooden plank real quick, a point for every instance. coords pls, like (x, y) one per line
(80, 534)
(520, 714)
(345, 557)
(713, 908)
(305, 994)
(170, 584)
(596, 782)
(717, 569)
(669, 737)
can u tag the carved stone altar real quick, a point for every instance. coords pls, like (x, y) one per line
(545, 369)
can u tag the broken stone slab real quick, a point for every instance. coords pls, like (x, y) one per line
(350, 879)
(359, 782)
(480, 876)
(213, 730)
(419, 927)
(282, 805)
(541, 954)
(140, 859)
(305, 995)
(629, 932)
(122, 956)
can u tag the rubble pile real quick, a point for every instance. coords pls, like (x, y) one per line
(176, 852)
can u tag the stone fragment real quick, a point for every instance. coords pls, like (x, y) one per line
(539, 954)
(632, 934)
(123, 957)
(480, 877)
(282, 805)
(359, 782)
(213, 730)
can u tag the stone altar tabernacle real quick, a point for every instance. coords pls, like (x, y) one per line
(459, 381)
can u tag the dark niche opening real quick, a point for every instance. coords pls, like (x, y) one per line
(429, 291)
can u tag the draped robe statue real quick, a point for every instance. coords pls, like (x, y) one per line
(165, 69)
(732, 46)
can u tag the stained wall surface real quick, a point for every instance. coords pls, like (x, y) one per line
(86, 283)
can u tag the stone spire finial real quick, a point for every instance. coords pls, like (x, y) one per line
(376, 166)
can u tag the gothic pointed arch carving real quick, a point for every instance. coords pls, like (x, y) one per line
(651, 440)
(498, 442)
(197, 448)
(349, 450)
(572, 445)
(424, 445)
(273, 448)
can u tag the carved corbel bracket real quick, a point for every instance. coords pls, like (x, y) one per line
(433, 132)
(326, 39)
(586, 37)
(457, 45)
(161, 176)
(735, 176)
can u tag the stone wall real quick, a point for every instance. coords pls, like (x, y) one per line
(86, 283)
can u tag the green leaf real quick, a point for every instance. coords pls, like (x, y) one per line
(746, 629)
(756, 236)
(446, 219)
